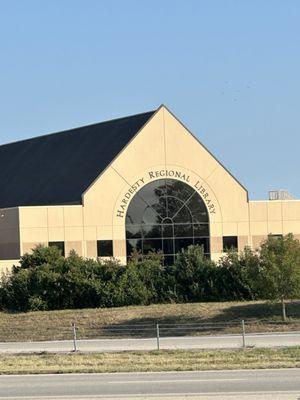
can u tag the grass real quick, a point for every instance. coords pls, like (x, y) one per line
(154, 361)
(111, 322)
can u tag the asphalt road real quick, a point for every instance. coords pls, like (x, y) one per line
(252, 384)
(184, 342)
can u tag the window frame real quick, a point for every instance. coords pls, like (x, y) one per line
(108, 243)
(60, 245)
(231, 247)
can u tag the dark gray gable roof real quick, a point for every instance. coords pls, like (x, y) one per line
(56, 169)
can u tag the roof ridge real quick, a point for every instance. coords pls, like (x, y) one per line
(76, 128)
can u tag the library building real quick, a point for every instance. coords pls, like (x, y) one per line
(142, 182)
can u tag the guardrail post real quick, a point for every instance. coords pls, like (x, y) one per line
(157, 336)
(74, 337)
(244, 334)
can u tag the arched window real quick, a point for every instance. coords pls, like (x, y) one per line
(166, 215)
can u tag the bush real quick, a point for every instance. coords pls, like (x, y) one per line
(193, 274)
(200, 279)
(37, 304)
(239, 273)
(46, 281)
(159, 280)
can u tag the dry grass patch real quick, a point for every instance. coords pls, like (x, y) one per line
(93, 323)
(176, 360)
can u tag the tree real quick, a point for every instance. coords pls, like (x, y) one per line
(194, 275)
(280, 269)
(238, 274)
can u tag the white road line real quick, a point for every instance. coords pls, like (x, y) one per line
(104, 340)
(177, 381)
(153, 395)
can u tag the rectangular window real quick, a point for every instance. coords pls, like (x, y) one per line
(230, 243)
(275, 236)
(104, 248)
(59, 245)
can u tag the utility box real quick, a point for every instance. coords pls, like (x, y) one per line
(280, 195)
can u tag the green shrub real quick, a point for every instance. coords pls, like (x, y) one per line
(46, 281)
(37, 304)
(194, 275)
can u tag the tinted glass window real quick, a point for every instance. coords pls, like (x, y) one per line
(275, 236)
(182, 244)
(197, 209)
(201, 230)
(230, 243)
(174, 205)
(179, 190)
(183, 230)
(183, 215)
(204, 242)
(104, 248)
(168, 230)
(59, 245)
(133, 231)
(166, 215)
(136, 207)
(152, 245)
(168, 246)
(169, 260)
(151, 231)
(133, 245)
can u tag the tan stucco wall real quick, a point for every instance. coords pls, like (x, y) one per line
(163, 146)
(41, 225)
(273, 217)
(6, 266)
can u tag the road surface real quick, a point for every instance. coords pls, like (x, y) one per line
(183, 342)
(238, 385)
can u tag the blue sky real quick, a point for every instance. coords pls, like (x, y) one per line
(230, 70)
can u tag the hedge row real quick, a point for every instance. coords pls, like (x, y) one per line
(45, 281)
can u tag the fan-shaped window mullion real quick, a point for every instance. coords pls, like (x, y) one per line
(179, 200)
(191, 215)
(184, 204)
